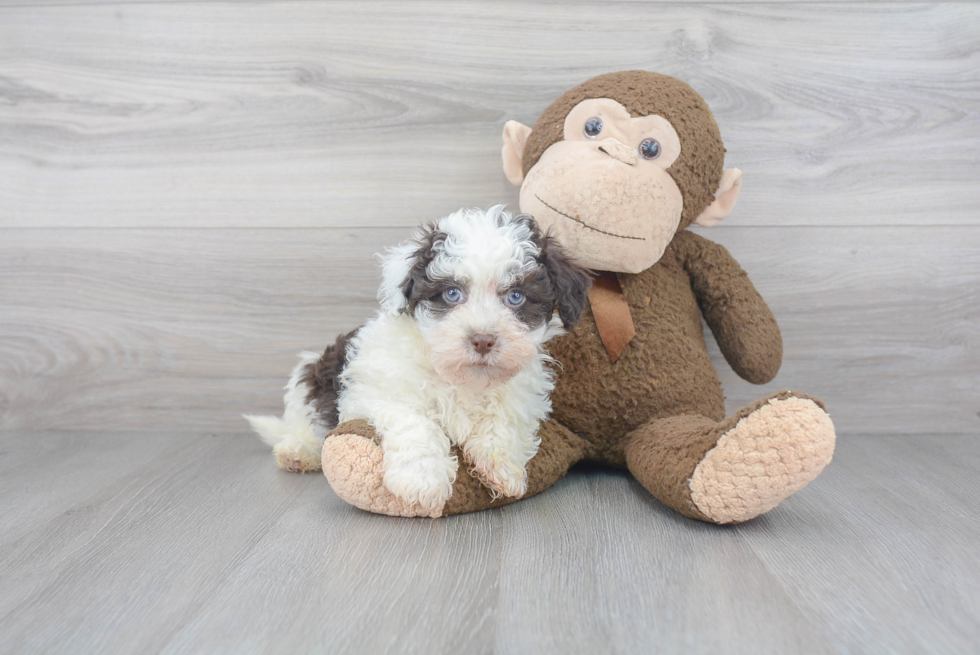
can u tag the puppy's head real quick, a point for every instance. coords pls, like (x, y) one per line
(483, 287)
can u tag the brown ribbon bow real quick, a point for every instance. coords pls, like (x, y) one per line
(612, 313)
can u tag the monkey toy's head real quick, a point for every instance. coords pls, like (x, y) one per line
(619, 164)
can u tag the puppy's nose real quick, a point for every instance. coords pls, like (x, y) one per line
(483, 343)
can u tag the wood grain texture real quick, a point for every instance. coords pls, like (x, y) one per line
(139, 556)
(82, 463)
(204, 546)
(191, 192)
(895, 518)
(144, 329)
(431, 3)
(379, 114)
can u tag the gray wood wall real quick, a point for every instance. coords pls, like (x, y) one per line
(191, 192)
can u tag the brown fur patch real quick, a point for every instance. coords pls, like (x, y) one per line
(570, 280)
(539, 299)
(321, 377)
(697, 171)
(418, 287)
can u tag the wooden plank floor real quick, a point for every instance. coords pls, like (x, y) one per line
(182, 543)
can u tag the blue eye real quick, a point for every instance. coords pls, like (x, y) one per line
(453, 295)
(650, 149)
(592, 127)
(515, 298)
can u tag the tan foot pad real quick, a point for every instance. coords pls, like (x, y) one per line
(767, 457)
(352, 466)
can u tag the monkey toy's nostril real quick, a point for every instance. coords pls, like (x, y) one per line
(618, 151)
(483, 343)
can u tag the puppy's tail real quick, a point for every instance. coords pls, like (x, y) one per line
(271, 429)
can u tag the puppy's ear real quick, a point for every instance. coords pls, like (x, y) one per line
(571, 282)
(404, 270)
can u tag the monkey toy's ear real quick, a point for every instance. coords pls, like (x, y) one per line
(515, 137)
(725, 197)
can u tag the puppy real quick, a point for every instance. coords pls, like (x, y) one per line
(454, 358)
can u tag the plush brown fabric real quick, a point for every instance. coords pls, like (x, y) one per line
(663, 453)
(354, 466)
(739, 318)
(664, 371)
(697, 171)
(559, 450)
(358, 426)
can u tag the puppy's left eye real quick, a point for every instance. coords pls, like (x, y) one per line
(453, 295)
(515, 298)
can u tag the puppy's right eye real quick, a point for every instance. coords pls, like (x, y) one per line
(453, 295)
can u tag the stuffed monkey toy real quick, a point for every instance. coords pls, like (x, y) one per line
(616, 169)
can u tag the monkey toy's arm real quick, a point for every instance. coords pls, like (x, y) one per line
(743, 325)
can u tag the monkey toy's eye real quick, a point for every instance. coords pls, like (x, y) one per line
(515, 298)
(453, 296)
(592, 127)
(650, 148)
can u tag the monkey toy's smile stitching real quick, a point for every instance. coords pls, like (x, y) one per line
(584, 224)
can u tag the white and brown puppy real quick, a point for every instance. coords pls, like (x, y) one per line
(454, 357)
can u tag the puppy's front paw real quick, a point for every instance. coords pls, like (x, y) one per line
(501, 475)
(427, 481)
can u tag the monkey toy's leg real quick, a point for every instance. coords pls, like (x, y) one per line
(352, 463)
(735, 470)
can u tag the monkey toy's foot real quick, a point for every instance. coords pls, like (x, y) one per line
(768, 456)
(733, 471)
(352, 465)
